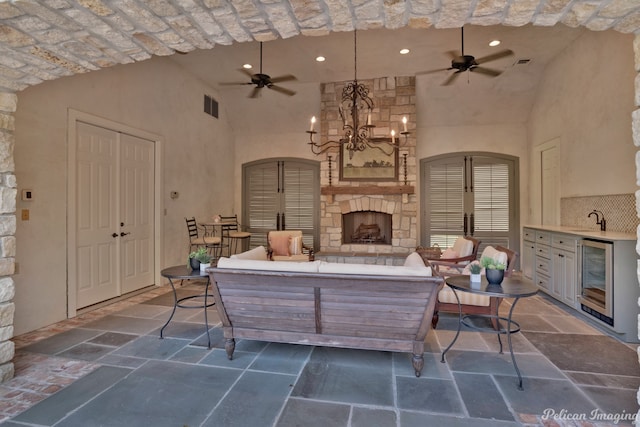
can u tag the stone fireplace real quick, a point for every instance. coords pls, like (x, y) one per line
(368, 227)
(391, 205)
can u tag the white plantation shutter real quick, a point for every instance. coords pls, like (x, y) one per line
(491, 197)
(482, 187)
(286, 188)
(445, 209)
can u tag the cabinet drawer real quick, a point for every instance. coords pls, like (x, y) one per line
(564, 241)
(543, 266)
(543, 237)
(529, 234)
(543, 281)
(543, 251)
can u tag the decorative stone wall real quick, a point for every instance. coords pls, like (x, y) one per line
(8, 190)
(394, 98)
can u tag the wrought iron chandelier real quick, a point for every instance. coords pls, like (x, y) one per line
(355, 113)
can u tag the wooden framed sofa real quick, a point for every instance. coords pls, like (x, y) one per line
(369, 307)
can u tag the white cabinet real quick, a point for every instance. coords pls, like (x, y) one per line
(528, 254)
(564, 260)
(550, 261)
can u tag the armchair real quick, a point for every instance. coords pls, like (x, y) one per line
(471, 303)
(287, 245)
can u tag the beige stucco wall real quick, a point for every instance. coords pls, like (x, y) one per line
(585, 101)
(154, 96)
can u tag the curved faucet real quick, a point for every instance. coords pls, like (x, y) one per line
(601, 222)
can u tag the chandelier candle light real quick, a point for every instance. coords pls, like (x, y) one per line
(355, 103)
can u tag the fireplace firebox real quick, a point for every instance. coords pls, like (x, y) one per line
(366, 227)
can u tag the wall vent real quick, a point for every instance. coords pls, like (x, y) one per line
(522, 61)
(210, 106)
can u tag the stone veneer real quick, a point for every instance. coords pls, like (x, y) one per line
(51, 39)
(394, 98)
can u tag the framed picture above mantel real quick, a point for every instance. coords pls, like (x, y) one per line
(370, 164)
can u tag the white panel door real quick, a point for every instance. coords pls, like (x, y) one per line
(136, 212)
(96, 247)
(550, 182)
(115, 214)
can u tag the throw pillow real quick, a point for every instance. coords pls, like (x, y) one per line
(414, 260)
(448, 254)
(256, 254)
(279, 244)
(295, 245)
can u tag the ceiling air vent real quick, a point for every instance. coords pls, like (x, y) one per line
(210, 106)
(522, 61)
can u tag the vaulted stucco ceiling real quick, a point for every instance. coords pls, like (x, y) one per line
(47, 39)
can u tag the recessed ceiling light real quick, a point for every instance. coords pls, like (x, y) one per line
(494, 43)
(404, 51)
(247, 66)
(320, 58)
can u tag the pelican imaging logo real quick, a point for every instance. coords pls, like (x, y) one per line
(595, 415)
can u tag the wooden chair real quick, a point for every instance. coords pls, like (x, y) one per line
(470, 303)
(287, 245)
(231, 230)
(197, 240)
(459, 261)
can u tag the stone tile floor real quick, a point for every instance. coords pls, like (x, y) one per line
(108, 367)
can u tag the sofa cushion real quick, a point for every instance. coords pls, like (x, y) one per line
(258, 254)
(375, 270)
(247, 264)
(449, 253)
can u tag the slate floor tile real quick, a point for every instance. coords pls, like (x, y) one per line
(481, 397)
(430, 395)
(308, 413)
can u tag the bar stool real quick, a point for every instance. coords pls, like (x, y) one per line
(231, 231)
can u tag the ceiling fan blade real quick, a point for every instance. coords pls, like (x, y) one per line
(285, 78)
(282, 90)
(453, 54)
(234, 83)
(439, 70)
(486, 71)
(495, 56)
(255, 92)
(451, 78)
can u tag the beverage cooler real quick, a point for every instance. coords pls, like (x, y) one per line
(608, 289)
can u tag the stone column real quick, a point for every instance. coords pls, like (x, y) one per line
(8, 191)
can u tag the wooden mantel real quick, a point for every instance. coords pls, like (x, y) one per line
(368, 190)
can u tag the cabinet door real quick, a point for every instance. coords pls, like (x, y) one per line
(570, 279)
(557, 284)
(528, 259)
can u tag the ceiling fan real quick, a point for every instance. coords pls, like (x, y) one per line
(461, 63)
(261, 80)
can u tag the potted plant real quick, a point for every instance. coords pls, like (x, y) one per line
(494, 270)
(475, 269)
(199, 259)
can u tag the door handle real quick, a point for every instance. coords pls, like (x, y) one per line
(465, 228)
(124, 234)
(472, 224)
(114, 235)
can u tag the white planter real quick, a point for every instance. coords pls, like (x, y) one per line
(476, 278)
(203, 267)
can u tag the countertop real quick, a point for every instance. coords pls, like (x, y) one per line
(583, 232)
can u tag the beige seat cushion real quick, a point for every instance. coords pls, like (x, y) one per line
(206, 240)
(376, 270)
(462, 247)
(296, 258)
(239, 234)
(467, 298)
